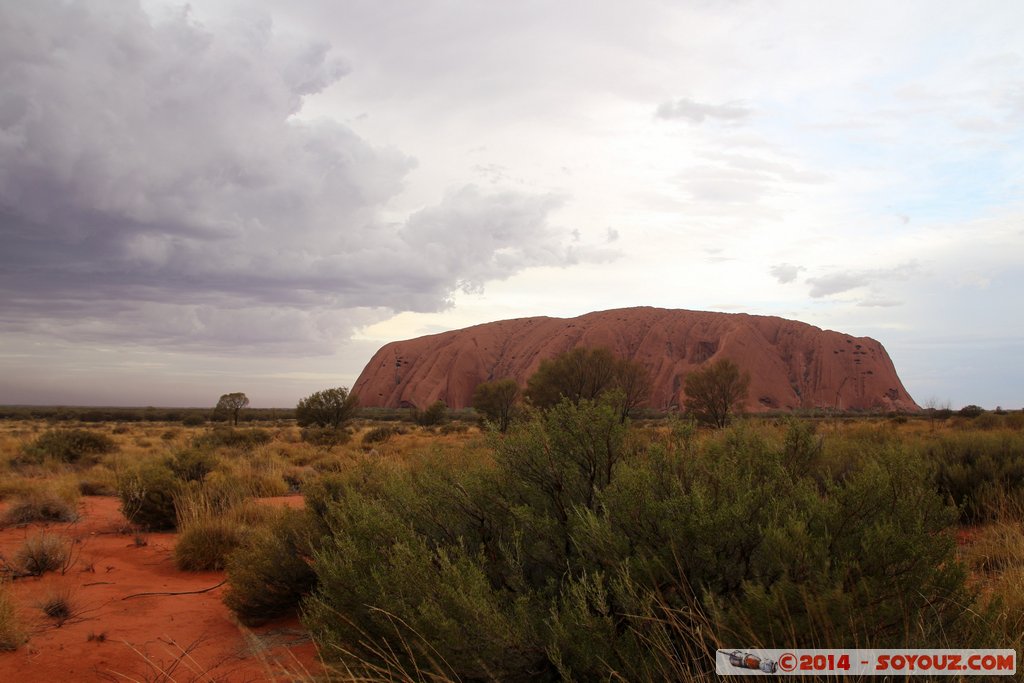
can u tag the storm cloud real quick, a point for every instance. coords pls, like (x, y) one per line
(157, 186)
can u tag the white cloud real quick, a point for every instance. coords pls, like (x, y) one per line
(699, 112)
(785, 272)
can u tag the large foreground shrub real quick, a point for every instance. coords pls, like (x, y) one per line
(580, 555)
(977, 470)
(270, 572)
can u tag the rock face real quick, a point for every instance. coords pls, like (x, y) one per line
(791, 364)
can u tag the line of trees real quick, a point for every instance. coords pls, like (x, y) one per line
(714, 393)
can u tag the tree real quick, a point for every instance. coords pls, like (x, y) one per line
(496, 400)
(715, 391)
(434, 414)
(231, 404)
(328, 408)
(583, 374)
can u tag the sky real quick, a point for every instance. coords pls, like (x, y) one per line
(254, 196)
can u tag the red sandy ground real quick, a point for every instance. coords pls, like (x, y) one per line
(113, 637)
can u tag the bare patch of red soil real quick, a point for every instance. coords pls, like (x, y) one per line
(135, 616)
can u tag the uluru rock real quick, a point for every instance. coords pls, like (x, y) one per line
(792, 365)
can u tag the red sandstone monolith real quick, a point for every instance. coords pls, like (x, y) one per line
(792, 365)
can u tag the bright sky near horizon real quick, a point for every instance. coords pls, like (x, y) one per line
(254, 196)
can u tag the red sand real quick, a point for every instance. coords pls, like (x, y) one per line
(111, 636)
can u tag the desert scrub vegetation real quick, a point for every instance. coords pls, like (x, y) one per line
(58, 602)
(380, 434)
(147, 492)
(43, 552)
(576, 547)
(978, 470)
(211, 522)
(39, 504)
(68, 445)
(12, 632)
(229, 437)
(271, 570)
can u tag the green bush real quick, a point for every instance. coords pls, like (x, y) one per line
(192, 464)
(330, 408)
(988, 421)
(147, 495)
(326, 437)
(453, 428)
(69, 445)
(434, 414)
(576, 555)
(212, 521)
(971, 411)
(380, 434)
(270, 572)
(977, 469)
(229, 437)
(205, 544)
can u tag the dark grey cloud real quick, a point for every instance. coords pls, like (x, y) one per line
(785, 272)
(699, 112)
(156, 187)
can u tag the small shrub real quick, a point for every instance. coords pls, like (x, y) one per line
(147, 495)
(98, 481)
(169, 435)
(192, 464)
(119, 429)
(208, 530)
(326, 437)
(436, 413)
(43, 553)
(380, 434)
(988, 421)
(454, 428)
(971, 411)
(69, 445)
(193, 421)
(228, 437)
(976, 469)
(270, 573)
(57, 603)
(39, 505)
(204, 545)
(12, 634)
